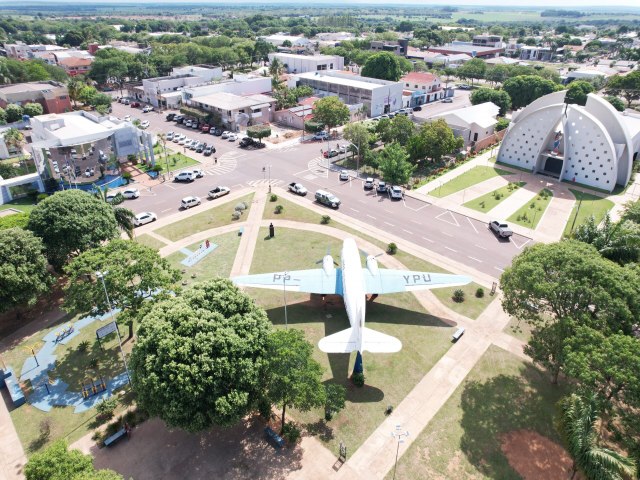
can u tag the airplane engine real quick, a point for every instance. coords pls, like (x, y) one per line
(372, 265)
(327, 264)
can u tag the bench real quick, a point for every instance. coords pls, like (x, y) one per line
(115, 437)
(17, 396)
(241, 231)
(277, 440)
(456, 336)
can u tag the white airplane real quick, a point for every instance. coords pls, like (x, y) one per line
(353, 282)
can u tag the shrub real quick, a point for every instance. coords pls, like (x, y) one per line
(290, 432)
(127, 176)
(156, 168)
(93, 363)
(235, 215)
(106, 407)
(392, 248)
(458, 296)
(240, 207)
(83, 346)
(273, 197)
(279, 209)
(358, 379)
(325, 219)
(45, 428)
(40, 197)
(480, 292)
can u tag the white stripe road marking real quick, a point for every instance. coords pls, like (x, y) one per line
(480, 247)
(499, 269)
(474, 258)
(472, 225)
(371, 216)
(390, 224)
(449, 248)
(410, 233)
(416, 222)
(357, 211)
(166, 210)
(428, 239)
(447, 234)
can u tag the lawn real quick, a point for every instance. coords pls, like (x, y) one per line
(291, 211)
(501, 394)
(519, 329)
(216, 264)
(582, 210)
(149, 241)
(389, 377)
(24, 204)
(529, 215)
(490, 200)
(212, 218)
(465, 180)
(177, 161)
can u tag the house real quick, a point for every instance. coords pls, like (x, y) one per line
(424, 87)
(75, 65)
(376, 96)
(473, 123)
(593, 145)
(471, 50)
(397, 47)
(308, 63)
(238, 85)
(53, 96)
(165, 92)
(235, 111)
(294, 117)
(494, 41)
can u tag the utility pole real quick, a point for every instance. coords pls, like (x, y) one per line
(399, 436)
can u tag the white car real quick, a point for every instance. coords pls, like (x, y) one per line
(183, 141)
(130, 193)
(343, 148)
(218, 192)
(396, 193)
(169, 135)
(144, 124)
(144, 218)
(185, 176)
(225, 134)
(344, 175)
(148, 108)
(177, 137)
(233, 137)
(188, 202)
(127, 118)
(187, 123)
(197, 172)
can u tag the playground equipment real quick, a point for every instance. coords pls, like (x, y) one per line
(92, 387)
(65, 332)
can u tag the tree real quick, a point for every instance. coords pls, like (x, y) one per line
(394, 164)
(617, 241)
(135, 273)
(434, 140)
(15, 220)
(33, 109)
(627, 86)
(3, 116)
(331, 112)
(74, 86)
(14, 139)
(87, 94)
(293, 378)
(71, 222)
(359, 135)
(578, 91)
(23, 268)
(502, 124)
(632, 211)
(200, 356)
(616, 102)
(524, 89)
(499, 97)
(276, 68)
(124, 217)
(576, 424)
(383, 65)
(59, 463)
(401, 129)
(473, 69)
(14, 113)
(259, 131)
(73, 38)
(336, 399)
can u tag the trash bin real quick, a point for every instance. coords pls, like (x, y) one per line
(271, 230)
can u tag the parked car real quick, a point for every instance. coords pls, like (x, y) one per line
(501, 229)
(147, 109)
(194, 124)
(205, 128)
(217, 132)
(321, 135)
(382, 187)
(327, 198)
(143, 218)
(130, 193)
(169, 136)
(218, 192)
(368, 184)
(177, 137)
(89, 172)
(187, 123)
(330, 153)
(178, 118)
(447, 100)
(200, 148)
(247, 142)
(396, 193)
(225, 134)
(343, 148)
(188, 202)
(297, 188)
(185, 176)
(194, 144)
(209, 150)
(170, 116)
(417, 109)
(134, 104)
(144, 124)
(198, 172)
(233, 137)
(183, 141)
(344, 175)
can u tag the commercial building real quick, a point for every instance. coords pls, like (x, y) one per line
(593, 145)
(238, 85)
(397, 47)
(279, 38)
(473, 124)
(424, 87)
(235, 111)
(542, 54)
(493, 41)
(376, 96)
(471, 50)
(53, 96)
(308, 63)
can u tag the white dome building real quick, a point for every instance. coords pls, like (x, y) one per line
(594, 145)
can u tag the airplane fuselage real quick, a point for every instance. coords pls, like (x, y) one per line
(353, 289)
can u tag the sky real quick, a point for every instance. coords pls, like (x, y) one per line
(475, 3)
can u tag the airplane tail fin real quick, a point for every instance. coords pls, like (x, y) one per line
(373, 341)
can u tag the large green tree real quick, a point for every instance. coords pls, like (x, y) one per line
(524, 89)
(394, 164)
(473, 69)
(23, 268)
(71, 222)
(134, 272)
(499, 97)
(627, 86)
(13, 112)
(384, 66)
(294, 378)
(578, 91)
(433, 141)
(200, 356)
(359, 135)
(399, 129)
(124, 217)
(331, 112)
(33, 109)
(617, 241)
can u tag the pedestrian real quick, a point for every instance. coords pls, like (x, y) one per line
(207, 244)
(216, 160)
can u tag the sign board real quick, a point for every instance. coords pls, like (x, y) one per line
(106, 330)
(493, 288)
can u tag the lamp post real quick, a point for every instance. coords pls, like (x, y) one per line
(357, 158)
(284, 294)
(399, 435)
(101, 276)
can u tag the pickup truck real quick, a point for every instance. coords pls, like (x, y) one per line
(500, 229)
(297, 189)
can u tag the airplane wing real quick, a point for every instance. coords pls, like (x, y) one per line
(394, 281)
(310, 281)
(378, 342)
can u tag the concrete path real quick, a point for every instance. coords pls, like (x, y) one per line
(244, 256)
(511, 204)
(12, 456)
(480, 189)
(450, 175)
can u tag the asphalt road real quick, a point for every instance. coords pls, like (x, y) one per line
(447, 233)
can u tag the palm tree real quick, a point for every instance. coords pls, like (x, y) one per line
(576, 422)
(124, 216)
(617, 241)
(74, 86)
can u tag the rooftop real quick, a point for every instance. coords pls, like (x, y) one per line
(68, 126)
(230, 101)
(483, 114)
(356, 81)
(294, 56)
(423, 77)
(28, 87)
(465, 49)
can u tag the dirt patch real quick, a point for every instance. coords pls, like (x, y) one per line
(534, 456)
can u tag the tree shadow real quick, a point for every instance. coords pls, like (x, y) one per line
(321, 430)
(503, 404)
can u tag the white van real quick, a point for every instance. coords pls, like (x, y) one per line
(185, 176)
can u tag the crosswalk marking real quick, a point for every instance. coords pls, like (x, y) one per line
(319, 166)
(257, 183)
(227, 162)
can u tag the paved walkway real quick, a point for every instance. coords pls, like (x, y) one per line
(522, 196)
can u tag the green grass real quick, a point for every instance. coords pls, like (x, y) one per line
(518, 329)
(465, 180)
(149, 241)
(490, 200)
(389, 377)
(529, 215)
(24, 204)
(501, 394)
(590, 205)
(212, 218)
(216, 264)
(177, 161)
(292, 211)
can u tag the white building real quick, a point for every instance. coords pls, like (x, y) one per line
(235, 111)
(593, 145)
(164, 92)
(308, 63)
(279, 38)
(473, 123)
(425, 87)
(238, 85)
(377, 96)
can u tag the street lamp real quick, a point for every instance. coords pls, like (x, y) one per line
(357, 158)
(101, 276)
(399, 436)
(284, 294)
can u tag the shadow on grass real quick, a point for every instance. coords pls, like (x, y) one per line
(321, 430)
(502, 404)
